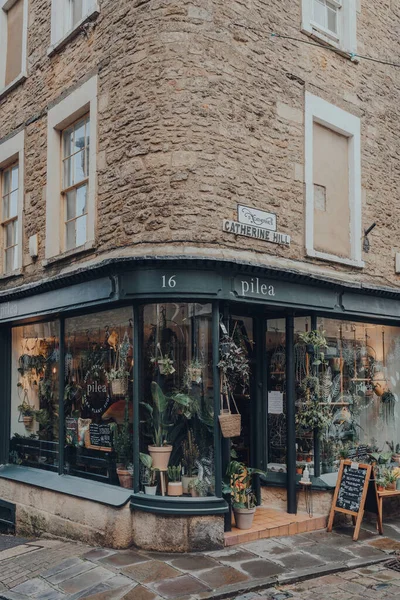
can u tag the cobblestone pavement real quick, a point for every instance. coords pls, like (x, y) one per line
(345, 570)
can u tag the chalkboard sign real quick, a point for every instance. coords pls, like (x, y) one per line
(71, 431)
(355, 491)
(351, 488)
(359, 453)
(99, 437)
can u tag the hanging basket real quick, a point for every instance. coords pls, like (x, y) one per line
(119, 387)
(231, 423)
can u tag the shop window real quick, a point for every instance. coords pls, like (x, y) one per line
(360, 384)
(75, 169)
(98, 396)
(333, 183)
(34, 396)
(276, 414)
(13, 37)
(68, 15)
(332, 22)
(71, 172)
(177, 415)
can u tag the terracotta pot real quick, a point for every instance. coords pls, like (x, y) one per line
(391, 486)
(175, 488)
(308, 459)
(185, 483)
(150, 490)
(160, 456)
(244, 517)
(194, 493)
(299, 470)
(381, 488)
(125, 478)
(27, 422)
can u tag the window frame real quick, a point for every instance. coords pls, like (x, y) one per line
(5, 6)
(71, 109)
(9, 220)
(11, 152)
(319, 111)
(346, 40)
(62, 28)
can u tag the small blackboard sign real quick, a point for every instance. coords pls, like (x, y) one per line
(100, 435)
(359, 453)
(351, 488)
(71, 431)
(355, 491)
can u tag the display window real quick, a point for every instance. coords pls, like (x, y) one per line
(34, 395)
(176, 408)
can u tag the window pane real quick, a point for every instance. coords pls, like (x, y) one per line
(34, 396)
(9, 260)
(68, 181)
(79, 167)
(71, 205)
(76, 11)
(70, 235)
(6, 182)
(10, 234)
(81, 194)
(177, 366)
(13, 204)
(68, 140)
(15, 17)
(79, 136)
(98, 396)
(15, 265)
(14, 178)
(6, 201)
(320, 12)
(88, 131)
(81, 230)
(332, 19)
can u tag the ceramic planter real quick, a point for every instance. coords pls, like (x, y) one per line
(244, 517)
(125, 478)
(185, 483)
(119, 387)
(391, 486)
(27, 422)
(194, 493)
(150, 490)
(165, 367)
(160, 456)
(194, 374)
(396, 458)
(175, 488)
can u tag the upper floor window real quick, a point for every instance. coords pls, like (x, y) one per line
(13, 37)
(333, 183)
(68, 15)
(76, 145)
(71, 171)
(9, 217)
(332, 22)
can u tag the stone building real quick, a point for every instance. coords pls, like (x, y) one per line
(172, 171)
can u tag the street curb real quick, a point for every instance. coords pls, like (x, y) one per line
(230, 591)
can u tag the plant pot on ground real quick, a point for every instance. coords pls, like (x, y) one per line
(174, 481)
(149, 474)
(238, 483)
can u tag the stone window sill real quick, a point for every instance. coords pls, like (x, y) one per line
(320, 37)
(350, 262)
(70, 35)
(11, 86)
(167, 505)
(48, 262)
(85, 489)
(11, 275)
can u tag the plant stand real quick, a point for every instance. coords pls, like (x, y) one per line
(163, 482)
(308, 498)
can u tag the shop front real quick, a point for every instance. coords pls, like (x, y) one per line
(110, 395)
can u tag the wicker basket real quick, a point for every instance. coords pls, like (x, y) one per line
(231, 424)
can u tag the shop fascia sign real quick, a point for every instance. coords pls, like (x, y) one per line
(256, 224)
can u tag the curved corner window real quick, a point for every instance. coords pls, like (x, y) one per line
(176, 400)
(98, 397)
(34, 396)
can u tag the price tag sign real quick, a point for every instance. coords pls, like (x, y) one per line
(354, 466)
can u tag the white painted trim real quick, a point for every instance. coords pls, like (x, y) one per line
(5, 6)
(347, 27)
(61, 28)
(332, 117)
(10, 150)
(68, 110)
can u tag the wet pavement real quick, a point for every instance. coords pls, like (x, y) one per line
(313, 565)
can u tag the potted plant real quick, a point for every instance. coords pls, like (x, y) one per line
(396, 472)
(395, 450)
(118, 376)
(190, 454)
(315, 340)
(27, 413)
(198, 487)
(238, 484)
(193, 373)
(148, 475)
(380, 484)
(299, 470)
(174, 481)
(311, 414)
(123, 446)
(164, 363)
(160, 450)
(390, 479)
(203, 482)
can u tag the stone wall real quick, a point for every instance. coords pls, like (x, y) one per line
(276, 497)
(200, 108)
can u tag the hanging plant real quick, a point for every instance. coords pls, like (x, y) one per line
(313, 415)
(388, 400)
(234, 364)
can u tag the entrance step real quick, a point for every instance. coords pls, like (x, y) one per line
(271, 522)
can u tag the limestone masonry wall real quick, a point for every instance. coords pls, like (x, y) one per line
(197, 113)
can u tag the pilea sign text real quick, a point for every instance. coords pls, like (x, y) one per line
(253, 286)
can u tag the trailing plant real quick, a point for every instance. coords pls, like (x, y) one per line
(193, 373)
(315, 342)
(233, 364)
(311, 414)
(174, 473)
(388, 400)
(26, 409)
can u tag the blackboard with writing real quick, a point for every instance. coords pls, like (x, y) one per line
(100, 435)
(359, 453)
(351, 488)
(71, 431)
